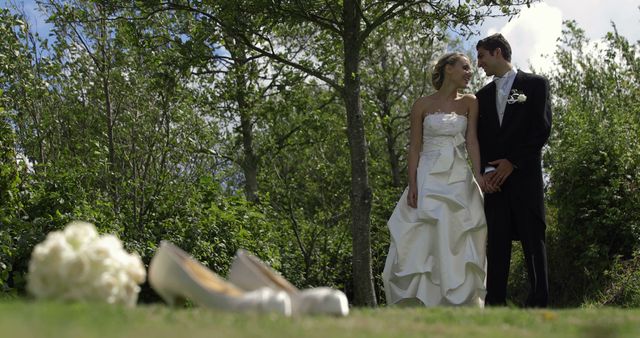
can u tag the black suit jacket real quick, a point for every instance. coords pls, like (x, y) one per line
(524, 131)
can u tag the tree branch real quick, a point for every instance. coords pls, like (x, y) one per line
(331, 25)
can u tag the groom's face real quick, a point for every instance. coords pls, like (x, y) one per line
(487, 61)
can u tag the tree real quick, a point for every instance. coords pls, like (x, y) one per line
(397, 70)
(16, 78)
(12, 57)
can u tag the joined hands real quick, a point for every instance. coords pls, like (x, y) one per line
(493, 180)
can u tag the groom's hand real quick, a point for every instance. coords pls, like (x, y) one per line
(504, 168)
(489, 187)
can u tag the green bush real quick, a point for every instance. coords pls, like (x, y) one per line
(623, 284)
(9, 201)
(594, 166)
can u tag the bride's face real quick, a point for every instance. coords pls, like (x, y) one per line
(460, 72)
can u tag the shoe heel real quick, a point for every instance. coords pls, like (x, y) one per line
(250, 273)
(172, 299)
(176, 276)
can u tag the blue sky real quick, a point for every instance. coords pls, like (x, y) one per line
(36, 19)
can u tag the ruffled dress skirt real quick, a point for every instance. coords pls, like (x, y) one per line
(437, 252)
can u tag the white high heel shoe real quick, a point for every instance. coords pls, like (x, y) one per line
(250, 273)
(175, 276)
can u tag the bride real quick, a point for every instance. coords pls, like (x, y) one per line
(438, 228)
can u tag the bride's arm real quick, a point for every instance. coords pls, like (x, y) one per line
(473, 147)
(415, 146)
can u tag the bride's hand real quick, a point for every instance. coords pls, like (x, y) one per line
(481, 182)
(412, 197)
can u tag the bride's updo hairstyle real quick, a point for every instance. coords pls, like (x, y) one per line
(437, 76)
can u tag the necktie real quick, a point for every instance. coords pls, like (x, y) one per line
(500, 81)
(501, 95)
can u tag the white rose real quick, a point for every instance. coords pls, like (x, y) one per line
(79, 234)
(135, 268)
(104, 249)
(522, 98)
(79, 267)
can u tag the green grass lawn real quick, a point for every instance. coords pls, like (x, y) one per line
(20, 318)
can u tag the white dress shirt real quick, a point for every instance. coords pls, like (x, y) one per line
(503, 87)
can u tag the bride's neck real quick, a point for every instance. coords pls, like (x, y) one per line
(448, 92)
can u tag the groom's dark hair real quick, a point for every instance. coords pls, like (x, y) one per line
(495, 41)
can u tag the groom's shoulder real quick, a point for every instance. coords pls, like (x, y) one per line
(484, 90)
(533, 78)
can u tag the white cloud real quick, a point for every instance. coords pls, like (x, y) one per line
(532, 42)
(534, 32)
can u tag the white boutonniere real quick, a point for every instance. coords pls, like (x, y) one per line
(516, 96)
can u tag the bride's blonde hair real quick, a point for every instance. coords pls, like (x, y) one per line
(437, 76)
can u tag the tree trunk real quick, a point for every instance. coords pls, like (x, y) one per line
(364, 294)
(385, 121)
(394, 159)
(105, 69)
(249, 161)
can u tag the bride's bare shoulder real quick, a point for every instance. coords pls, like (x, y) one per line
(469, 100)
(469, 97)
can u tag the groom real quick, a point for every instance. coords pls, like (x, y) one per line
(514, 125)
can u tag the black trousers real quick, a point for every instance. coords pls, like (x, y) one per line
(509, 218)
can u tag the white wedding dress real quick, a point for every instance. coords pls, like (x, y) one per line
(437, 251)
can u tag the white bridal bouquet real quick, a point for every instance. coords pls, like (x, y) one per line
(76, 264)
